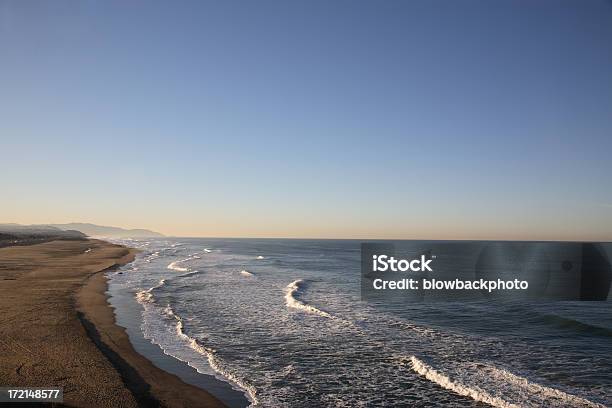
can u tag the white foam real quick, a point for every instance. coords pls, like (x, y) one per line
(146, 296)
(206, 250)
(260, 257)
(552, 396)
(152, 256)
(246, 273)
(174, 267)
(291, 290)
(188, 274)
(445, 382)
(498, 387)
(215, 363)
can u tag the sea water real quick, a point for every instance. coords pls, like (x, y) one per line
(282, 322)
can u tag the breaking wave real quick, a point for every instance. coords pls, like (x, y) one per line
(550, 396)
(191, 273)
(215, 363)
(445, 382)
(174, 267)
(507, 390)
(246, 273)
(146, 295)
(292, 302)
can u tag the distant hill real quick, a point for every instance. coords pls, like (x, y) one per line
(15, 234)
(108, 232)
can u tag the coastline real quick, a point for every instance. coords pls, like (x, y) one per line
(59, 330)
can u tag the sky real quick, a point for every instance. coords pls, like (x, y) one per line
(322, 119)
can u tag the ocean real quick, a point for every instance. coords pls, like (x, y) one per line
(281, 323)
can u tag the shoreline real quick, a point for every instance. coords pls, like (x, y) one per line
(60, 330)
(129, 314)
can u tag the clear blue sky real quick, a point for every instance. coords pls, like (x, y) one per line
(414, 119)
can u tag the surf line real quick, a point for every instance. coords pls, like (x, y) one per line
(519, 389)
(214, 362)
(292, 290)
(174, 266)
(432, 375)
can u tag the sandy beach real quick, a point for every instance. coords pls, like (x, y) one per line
(57, 329)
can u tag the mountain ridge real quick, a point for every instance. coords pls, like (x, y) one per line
(94, 230)
(89, 229)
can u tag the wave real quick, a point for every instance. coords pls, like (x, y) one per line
(174, 267)
(563, 398)
(246, 273)
(260, 257)
(498, 387)
(432, 375)
(206, 250)
(151, 257)
(184, 275)
(214, 362)
(146, 295)
(292, 302)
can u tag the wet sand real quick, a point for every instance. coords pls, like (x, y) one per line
(57, 329)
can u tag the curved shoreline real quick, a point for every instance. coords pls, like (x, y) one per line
(60, 330)
(150, 385)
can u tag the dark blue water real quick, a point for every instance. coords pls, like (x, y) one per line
(283, 322)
